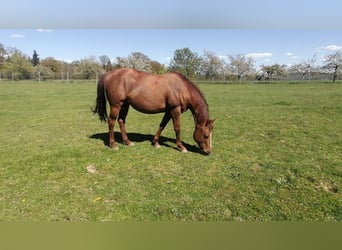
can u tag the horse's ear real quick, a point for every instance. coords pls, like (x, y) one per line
(210, 122)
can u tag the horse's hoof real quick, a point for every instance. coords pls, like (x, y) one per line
(183, 150)
(129, 143)
(157, 145)
(114, 147)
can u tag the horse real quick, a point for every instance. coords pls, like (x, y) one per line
(171, 93)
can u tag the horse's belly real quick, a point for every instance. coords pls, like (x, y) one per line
(148, 107)
(151, 101)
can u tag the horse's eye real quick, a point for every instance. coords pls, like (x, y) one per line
(206, 136)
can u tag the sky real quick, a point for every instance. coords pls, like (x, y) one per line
(270, 32)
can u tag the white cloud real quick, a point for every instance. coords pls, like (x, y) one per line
(330, 47)
(17, 36)
(259, 55)
(44, 30)
(291, 55)
(64, 60)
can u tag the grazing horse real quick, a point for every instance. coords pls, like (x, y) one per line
(171, 93)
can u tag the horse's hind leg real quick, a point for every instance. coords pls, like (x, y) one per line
(165, 120)
(122, 120)
(113, 114)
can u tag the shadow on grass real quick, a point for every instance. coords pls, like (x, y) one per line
(137, 137)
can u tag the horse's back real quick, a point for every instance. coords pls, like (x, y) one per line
(147, 93)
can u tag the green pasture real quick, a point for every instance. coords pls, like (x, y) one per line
(276, 156)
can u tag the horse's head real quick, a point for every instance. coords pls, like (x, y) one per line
(203, 136)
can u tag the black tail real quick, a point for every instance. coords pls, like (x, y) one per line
(101, 106)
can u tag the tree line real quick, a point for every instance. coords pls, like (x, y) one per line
(15, 65)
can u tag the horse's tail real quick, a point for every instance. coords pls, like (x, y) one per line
(101, 106)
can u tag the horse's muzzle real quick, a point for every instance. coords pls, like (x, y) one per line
(205, 152)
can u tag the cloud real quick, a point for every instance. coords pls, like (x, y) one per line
(330, 48)
(291, 55)
(259, 55)
(17, 36)
(64, 60)
(44, 30)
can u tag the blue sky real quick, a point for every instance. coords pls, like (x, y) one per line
(266, 46)
(284, 32)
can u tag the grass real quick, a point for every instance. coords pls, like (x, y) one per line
(277, 156)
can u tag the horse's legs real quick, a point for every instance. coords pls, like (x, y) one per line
(165, 120)
(175, 115)
(122, 121)
(114, 110)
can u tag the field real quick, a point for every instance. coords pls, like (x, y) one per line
(276, 156)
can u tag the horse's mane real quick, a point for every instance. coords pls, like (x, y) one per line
(191, 86)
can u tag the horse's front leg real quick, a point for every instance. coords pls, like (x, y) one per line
(175, 114)
(165, 120)
(114, 110)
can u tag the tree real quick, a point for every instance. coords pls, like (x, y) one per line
(157, 68)
(135, 60)
(241, 65)
(35, 58)
(211, 65)
(89, 68)
(106, 63)
(42, 72)
(269, 71)
(309, 65)
(18, 66)
(55, 66)
(303, 68)
(3, 55)
(186, 62)
(333, 63)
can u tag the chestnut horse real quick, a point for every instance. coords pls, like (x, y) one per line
(171, 93)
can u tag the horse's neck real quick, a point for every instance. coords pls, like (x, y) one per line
(199, 109)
